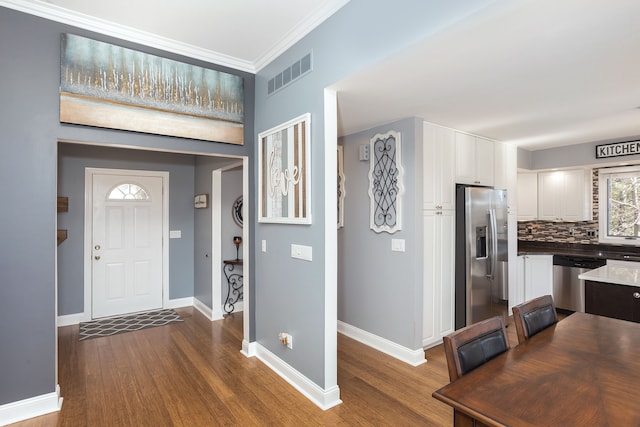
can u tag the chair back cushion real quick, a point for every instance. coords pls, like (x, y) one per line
(480, 350)
(539, 319)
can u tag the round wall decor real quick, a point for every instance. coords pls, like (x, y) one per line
(236, 211)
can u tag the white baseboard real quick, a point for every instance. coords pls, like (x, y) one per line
(208, 312)
(179, 302)
(412, 357)
(71, 319)
(31, 407)
(203, 308)
(324, 399)
(248, 348)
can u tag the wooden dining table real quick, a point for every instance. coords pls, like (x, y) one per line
(583, 371)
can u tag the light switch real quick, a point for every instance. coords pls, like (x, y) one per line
(397, 245)
(363, 152)
(175, 234)
(301, 252)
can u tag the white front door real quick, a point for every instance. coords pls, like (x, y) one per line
(126, 244)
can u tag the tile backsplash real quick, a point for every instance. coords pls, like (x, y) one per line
(564, 232)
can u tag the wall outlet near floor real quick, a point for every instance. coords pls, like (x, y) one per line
(286, 339)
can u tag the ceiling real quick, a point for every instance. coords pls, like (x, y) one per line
(536, 73)
(242, 34)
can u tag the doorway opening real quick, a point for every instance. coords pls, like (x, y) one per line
(126, 227)
(178, 229)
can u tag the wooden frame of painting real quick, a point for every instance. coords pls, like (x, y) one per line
(284, 172)
(113, 87)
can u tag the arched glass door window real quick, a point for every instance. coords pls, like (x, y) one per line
(128, 191)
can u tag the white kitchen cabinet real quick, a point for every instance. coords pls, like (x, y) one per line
(536, 276)
(506, 173)
(527, 196)
(438, 163)
(438, 275)
(564, 195)
(474, 159)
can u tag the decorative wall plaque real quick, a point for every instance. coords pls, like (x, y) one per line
(385, 182)
(284, 172)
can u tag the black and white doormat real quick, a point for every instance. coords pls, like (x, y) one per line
(133, 322)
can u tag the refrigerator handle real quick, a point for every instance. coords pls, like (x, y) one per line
(493, 242)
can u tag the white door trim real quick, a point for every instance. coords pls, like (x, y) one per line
(88, 238)
(216, 242)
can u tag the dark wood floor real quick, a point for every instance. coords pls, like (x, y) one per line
(193, 374)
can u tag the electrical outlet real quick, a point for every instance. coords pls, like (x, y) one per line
(572, 232)
(591, 233)
(286, 339)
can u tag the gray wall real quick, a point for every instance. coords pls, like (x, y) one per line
(576, 155)
(378, 288)
(30, 52)
(72, 161)
(348, 41)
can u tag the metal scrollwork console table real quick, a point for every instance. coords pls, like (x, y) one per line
(234, 284)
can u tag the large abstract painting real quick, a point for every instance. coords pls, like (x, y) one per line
(113, 87)
(284, 171)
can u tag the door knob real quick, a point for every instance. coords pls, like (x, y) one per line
(636, 295)
(97, 247)
(97, 257)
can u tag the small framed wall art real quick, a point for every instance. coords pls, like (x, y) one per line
(201, 201)
(284, 172)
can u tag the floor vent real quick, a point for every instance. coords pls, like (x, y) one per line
(290, 74)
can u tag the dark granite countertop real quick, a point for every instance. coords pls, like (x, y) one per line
(624, 253)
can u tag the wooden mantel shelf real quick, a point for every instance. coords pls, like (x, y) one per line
(62, 236)
(63, 206)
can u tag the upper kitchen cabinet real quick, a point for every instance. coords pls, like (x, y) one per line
(527, 196)
(564, 195)
(439, 165)
(474, 160)
(506, 173)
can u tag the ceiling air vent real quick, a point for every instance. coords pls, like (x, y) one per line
(290, 74)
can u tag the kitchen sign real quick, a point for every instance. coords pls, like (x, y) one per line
(617, 149)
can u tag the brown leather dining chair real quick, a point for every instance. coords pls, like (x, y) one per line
(534, 316)
(470, 347)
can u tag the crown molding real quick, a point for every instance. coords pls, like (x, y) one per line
(80, 20)
(65, 16)
(298, 32)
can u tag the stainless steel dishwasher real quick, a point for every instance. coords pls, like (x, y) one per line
(568, 290)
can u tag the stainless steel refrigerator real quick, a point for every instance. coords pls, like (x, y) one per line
(481, 254)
